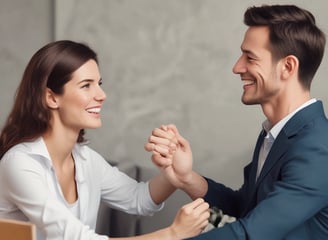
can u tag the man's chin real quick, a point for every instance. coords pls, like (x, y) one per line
(249, 101)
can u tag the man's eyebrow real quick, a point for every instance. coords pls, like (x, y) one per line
(248, 52)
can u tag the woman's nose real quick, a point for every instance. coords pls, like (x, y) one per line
(101, 95)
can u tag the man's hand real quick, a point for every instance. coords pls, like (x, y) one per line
(171, 153)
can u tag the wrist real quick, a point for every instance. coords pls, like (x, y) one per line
(172, 233)
(187, 180)
(195, 185)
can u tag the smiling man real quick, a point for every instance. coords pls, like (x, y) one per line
(285, 191)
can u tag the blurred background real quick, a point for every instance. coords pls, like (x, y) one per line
(161, 62)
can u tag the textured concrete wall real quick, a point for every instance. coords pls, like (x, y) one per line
(25, 26)
(170, 62)
(162, 62)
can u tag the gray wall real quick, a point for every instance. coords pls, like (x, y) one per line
(24, 27)
(162, 62)
(170, 62)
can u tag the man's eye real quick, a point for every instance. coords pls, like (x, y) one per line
(250, 58)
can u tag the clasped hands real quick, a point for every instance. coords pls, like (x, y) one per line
(171, 153)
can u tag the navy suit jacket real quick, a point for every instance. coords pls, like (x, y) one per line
(289, 201)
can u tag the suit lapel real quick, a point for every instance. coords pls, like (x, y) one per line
(252, 176)
(278, 148)
(287, 133)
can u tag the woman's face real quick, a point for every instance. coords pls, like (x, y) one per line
(80, 104)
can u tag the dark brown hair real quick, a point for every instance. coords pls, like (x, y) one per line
(50, 67)
(293, 31)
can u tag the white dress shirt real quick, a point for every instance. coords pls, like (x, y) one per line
(30, 191)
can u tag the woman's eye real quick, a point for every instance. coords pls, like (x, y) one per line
(100, 83)
(86, 85)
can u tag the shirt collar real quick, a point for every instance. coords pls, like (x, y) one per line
(38, 147)
(273, 131)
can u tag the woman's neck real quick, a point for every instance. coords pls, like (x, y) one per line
(60, 145)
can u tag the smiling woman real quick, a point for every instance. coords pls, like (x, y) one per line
(79, 105)
(48, 174)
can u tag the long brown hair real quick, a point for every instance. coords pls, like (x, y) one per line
(50, 67)
(293, 31)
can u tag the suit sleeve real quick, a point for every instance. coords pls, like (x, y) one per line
(228, 200)
(295, 199)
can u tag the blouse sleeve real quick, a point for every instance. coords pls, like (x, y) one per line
(123, 192)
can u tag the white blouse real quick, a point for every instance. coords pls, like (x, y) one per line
(29, 190)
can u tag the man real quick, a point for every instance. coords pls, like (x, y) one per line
(285, 189)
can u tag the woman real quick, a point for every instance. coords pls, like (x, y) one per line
(50, 177)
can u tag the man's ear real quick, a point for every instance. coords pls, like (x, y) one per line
(51, 99)
(290, 66)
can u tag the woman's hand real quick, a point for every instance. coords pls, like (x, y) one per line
(190, 220)
(171, 153)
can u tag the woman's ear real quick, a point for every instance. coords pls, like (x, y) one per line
(290, 66)
(51, 99)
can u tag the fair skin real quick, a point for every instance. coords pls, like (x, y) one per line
(78, 108)
(273, 84)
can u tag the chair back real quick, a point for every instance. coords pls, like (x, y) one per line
(16, 230)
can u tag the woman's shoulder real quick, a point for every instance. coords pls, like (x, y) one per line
(26, 154)
(36, 146)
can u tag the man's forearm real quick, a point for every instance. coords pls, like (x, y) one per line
(196, 186)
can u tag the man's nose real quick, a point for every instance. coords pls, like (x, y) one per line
(239, 66)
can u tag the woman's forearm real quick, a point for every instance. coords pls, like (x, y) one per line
(160, 188)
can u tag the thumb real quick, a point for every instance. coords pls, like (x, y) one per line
(183, 143)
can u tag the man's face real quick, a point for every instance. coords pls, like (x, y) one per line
(256, 68)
